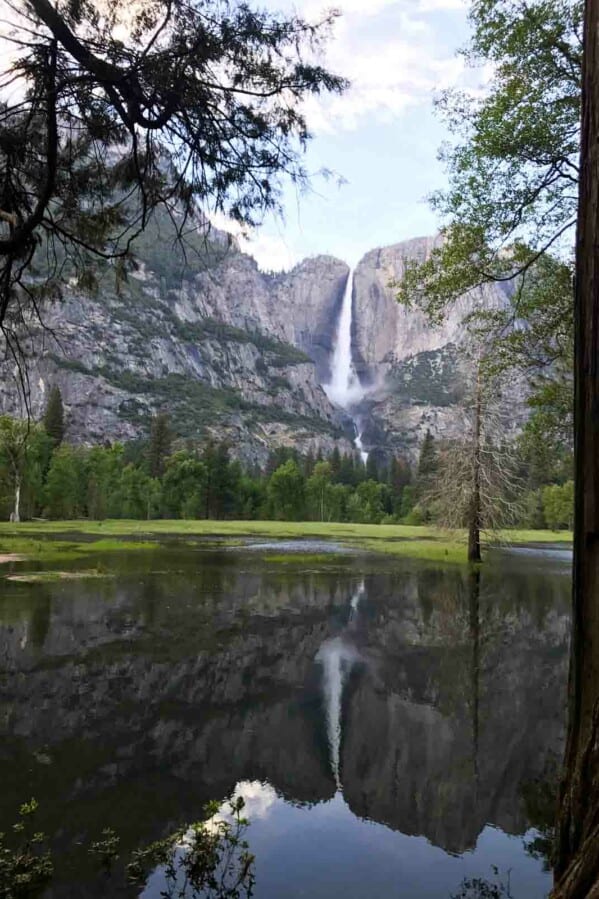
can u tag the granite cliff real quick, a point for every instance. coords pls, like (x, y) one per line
(415, 374)
(242, 355)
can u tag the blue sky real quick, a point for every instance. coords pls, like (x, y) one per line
(382, 137)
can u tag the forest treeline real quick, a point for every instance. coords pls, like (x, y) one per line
(43, 476)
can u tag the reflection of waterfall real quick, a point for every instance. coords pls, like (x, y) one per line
(355, 602)
(344, 388)
(337, 658)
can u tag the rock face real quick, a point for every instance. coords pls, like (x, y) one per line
(241, 355)
(417, 374)
(228, 351)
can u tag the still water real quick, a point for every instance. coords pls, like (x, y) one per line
(393, 727)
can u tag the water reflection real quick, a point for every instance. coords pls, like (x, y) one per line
(337, 657)
(384, 718)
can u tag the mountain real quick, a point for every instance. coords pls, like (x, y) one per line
(229, 351)
(242, 355)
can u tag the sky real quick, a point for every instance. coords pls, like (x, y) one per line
(381, 138)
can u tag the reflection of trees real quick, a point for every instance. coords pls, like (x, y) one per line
(479, 888)
(474, 600)
(540, 800)
(447, 715)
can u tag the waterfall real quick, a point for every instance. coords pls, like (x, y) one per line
(344, 388)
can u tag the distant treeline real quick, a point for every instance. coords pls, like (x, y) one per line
(161, 477)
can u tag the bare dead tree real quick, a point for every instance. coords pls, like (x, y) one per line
(476, 484)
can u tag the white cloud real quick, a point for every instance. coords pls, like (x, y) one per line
(395, 53)
(435, 5)
(271, 251)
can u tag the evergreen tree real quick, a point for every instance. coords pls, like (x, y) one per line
(335, 461)
(347, 472)
(159, 448)
(54, 416)
(427, 460)
(399, 475)
(372, 469)
(309, 462)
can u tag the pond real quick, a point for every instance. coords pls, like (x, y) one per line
(393, 727)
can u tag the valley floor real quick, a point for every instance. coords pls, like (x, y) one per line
(39, 540)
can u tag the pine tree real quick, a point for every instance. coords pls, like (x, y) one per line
(427, 461)
(159, 449)
(372, 469)
(54, 417)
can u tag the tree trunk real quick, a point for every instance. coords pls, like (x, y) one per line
(475, 505)
(577, 846)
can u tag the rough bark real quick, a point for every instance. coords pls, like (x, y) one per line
(577, 849)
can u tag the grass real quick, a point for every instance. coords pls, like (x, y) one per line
(410, 541)
(57, 550)
(49, 577)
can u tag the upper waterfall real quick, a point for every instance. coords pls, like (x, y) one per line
(344, 388)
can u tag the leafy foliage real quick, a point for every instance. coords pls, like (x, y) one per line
(54, 416)
(25, 863)
(512, 197)
(201, 480)
(117, 112)
(513, 164)
(160, 444)
(479, 888)
(207, 859)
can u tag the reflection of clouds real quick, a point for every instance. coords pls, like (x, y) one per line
(259, 798)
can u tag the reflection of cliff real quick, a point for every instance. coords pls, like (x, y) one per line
(439, 737)
(146, 697)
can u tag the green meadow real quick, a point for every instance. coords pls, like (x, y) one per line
(56, 540)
